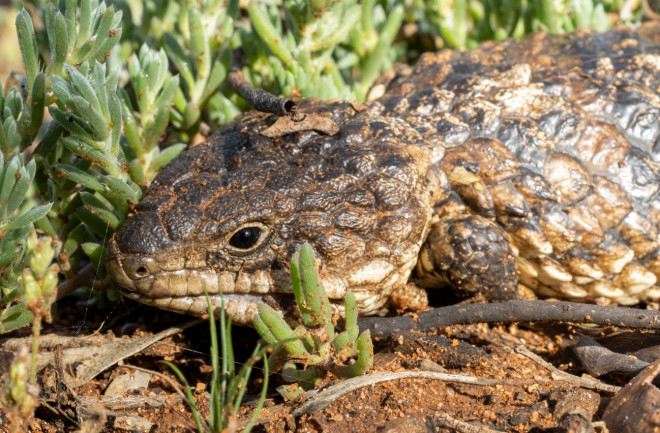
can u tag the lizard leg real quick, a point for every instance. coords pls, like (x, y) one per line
(472, 255)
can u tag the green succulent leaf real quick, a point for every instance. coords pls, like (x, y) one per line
(91, 118)
(341, 32)
(60, 40)
(9, 178)
(95, 252)
(87, 9)
(365, 358)
(73, 123)
(87, 152)
(28, 45)
(178, 56)
(115, 121)
(374, 64)
(83, 88)
(166, 97)
(218, 74)
(265, 29)
(90, 179)
(75, 237)
(10, 140)
(36, 107)
(17, 196)
(94, 201)
(290, 392)
(167, 155)
(14, 317)
(351, 316)
(29, 217)
(340, 342)
(102, 32)
(199, 45)
(313, 291)
(121, 189)
(307, 378)
(191, 115)
(49, 15)
(100, 85)
(60, 87)
(264, 330)
(101, 222)
(136, 170)
(69, 11)
(305, 310)
(280, 330)
(12, 247)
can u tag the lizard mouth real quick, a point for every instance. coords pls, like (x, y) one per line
(185, 291)
(242, 308)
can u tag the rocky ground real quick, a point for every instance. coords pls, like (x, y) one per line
(103, 371)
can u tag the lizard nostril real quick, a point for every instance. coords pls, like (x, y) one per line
(137, 267)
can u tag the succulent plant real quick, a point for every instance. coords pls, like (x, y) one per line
(314, 344)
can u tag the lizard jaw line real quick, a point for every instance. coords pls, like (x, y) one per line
(240, 307)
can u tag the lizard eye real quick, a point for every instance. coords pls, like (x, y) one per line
(247, 238)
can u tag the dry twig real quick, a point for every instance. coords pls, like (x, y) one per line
(332, 393)
(262, 100)
(514, 311)
(557, 374)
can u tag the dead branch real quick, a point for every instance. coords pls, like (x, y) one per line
(557, 374)
(260, 99)
(513, 311)
(332, 393)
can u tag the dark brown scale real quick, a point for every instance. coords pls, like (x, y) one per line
(531, 165)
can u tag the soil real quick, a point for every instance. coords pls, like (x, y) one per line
(523, 397)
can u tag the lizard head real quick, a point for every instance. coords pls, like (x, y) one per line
(227, 215)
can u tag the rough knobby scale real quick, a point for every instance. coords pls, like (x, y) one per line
(517, 167)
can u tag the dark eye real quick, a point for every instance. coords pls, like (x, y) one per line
(245, 238)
